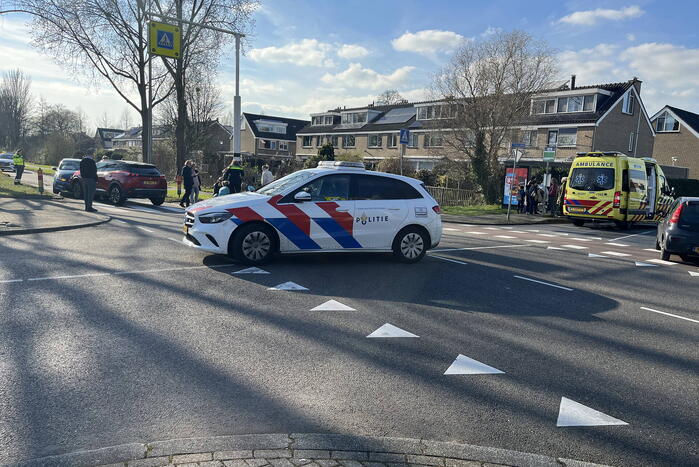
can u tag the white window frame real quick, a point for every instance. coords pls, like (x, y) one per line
(665, 116)
(319, 141)
(428, 143)
(283, 146)
(567, 132)
(555, 106)
(392, 140)
(528, 140)
(627, 105)
(326, 118)
(334, 141)
(373, 145)
(310, 141)
(632, 141)
(353, 118)
(413, 140)
(344, 141)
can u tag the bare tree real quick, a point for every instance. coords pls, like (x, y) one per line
(125, 120)
(389, 97)
(103, 39)
(201, 48)
(105, 120)
(487, 87)
(15, 108)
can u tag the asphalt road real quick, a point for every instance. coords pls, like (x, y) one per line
(120, 333)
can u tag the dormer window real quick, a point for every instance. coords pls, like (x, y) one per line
(543, 106)
(564, 104)
(666, 122)
(432, 112)
(271, 126)
(354, 117)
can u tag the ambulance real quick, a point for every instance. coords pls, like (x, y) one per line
(611, 186)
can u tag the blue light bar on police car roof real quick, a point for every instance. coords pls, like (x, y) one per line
(340, 164)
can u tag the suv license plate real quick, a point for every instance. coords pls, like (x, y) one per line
(150, 182)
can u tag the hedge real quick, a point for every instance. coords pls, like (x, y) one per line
(684, 186)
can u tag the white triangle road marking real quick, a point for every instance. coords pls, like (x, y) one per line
(333, 305)
(252, 270)
(693, 274)
(288, 286)
(464, 365)
(660, 261)
(642, 264)
(389, 330)
(593, 255)
(571, 413)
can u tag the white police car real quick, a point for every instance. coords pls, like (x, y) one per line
(338, 206)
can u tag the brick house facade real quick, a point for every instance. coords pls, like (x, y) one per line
(677, 139)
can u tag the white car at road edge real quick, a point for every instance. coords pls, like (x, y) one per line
(336, 207)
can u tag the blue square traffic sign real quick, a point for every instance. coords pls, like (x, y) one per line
(404, 136)
(166, 40)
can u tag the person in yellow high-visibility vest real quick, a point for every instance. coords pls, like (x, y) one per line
(18, 161)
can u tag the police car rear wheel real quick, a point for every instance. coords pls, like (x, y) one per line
(253, 245)
(410, 245)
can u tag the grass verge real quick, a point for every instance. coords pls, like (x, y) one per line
(474, 210)
(173, 197)
(8, 189)
(46, 169)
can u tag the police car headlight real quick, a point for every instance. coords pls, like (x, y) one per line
(215, 217)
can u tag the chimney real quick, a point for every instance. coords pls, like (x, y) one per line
(572, 82)
(637, 84)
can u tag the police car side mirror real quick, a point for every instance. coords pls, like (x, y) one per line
(302, 196)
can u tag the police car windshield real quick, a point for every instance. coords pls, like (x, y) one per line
(283, 183)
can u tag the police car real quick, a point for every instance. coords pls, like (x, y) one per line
(336, 207)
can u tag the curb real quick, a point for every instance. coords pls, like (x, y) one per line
(220, 450)
(466, 221)
(55, 229)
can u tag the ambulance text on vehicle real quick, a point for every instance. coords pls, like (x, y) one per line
(613, 186)
(336, 207)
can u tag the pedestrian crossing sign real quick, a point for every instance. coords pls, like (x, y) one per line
(164, 39)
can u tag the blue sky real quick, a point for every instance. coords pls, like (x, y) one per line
(308, 56)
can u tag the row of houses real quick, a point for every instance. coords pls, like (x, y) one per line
(569, 118)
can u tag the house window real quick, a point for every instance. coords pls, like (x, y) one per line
(356, 117)
(589, 104)
(430, 112)
(575, 104)
(529, 138)
(627, 106)
(392, 140)
(375, 141)
(348, 141)
(632, 141)
(666, 122)
(433, 140)
(317, 120)
(333, 140)
(283, 146)
(307, 141)
(543, 106)
(567, 137)
(270, 127)
(267, 144)
(553, 137)
(412, 140)
(328, 120)
(319, 141)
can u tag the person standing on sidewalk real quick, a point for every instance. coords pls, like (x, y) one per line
(188, 181)
(88, 178)
(18, 161)
(234, 175)
(553, 196)
(196, 184)
(267, 176)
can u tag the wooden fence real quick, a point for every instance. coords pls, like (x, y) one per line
(455, 196)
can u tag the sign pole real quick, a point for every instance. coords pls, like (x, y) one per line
(236, 100)
(402, 152)
(509, 197)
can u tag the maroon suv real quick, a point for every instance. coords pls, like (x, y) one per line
(119, 180)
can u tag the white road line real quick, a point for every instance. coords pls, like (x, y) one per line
(669, 314)
(147, 230)
(651, 249)
(448, 259)
(575, 247)
(561, 233)
(544, 283)
(517, 231)
(120, 221)
(491, 228)
(660, 261)
(476, 233)
(11, 280)
(554, 248)
(451, 230)
(531, 231)
(538, 241)
(580, 239)
(632, 235)
(69, 277)
(480, 248)
(546, 235)
(508, 228)
(504, 236)
(615, 244)
(615, 253)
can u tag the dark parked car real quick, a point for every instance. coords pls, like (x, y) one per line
(64, 172)
(119, 180)
(678, 233)
(6, 164)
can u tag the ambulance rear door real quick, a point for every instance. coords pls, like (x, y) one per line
(637, 185)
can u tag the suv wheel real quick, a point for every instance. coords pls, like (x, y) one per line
(410, 245)
(157, 201)
(116, 195)
(76, 190)
(253, 244)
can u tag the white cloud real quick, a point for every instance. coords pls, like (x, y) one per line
(490, 30)
(630, 37)
(350, 51)
(356, 76)
(428, 42)
(672, 65)
(592, 17)
(307, 52)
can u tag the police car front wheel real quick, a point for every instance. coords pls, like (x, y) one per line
(253, 244)
(410, 245)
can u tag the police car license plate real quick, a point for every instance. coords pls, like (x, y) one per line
(185, 229)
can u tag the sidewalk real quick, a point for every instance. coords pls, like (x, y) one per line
(301, 449)
(501, 219)
(32, 215)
